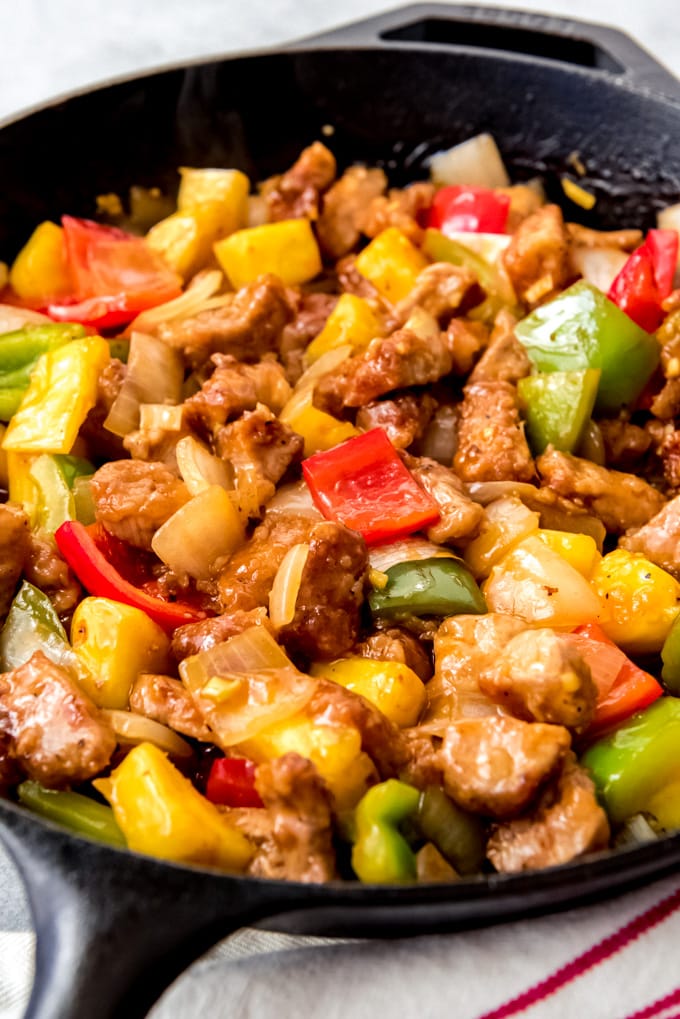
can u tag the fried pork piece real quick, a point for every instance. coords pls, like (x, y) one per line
(158, 445)
(464, 648)
(396, 645)
(621, 501)
(404, 418)
(260, 448)
(46, 570)
(583, 236)
(567, 823)
(297, 192)
(405, 358)
(491, 442)
(54, 731)
(540, 676)
(133, 499)
(352, 282)
(165, 700)
(460, 517)
(235, 387)
(465, 340)
(326, 621)
(245, 582)
(536, 260)
(666, 403)
(659, 538)
(192, 638)
(505, 359)
(401, 208)
(248, 327)
(102, 443)
(294, 833)
(495, 765)
(345, 206)
(524, 201)
(624, 443)
(14, 544)
(442, 290)
(311, 312)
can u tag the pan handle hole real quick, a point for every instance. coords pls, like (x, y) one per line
(507, 38)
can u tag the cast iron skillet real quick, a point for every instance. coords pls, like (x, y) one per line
(115, 928)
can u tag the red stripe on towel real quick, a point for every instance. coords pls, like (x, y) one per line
(658, 1007)
(593, 956)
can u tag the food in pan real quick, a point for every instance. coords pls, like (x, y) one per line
(342, 530)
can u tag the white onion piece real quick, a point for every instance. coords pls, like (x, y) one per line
(131, 728)
(440, 440)
(258, 211)
(381, 557)
(155, 374)
(199, 468)
(12, 318)
(598, 266)
(162, 416)
(506, 522)
(485, 492)
(83, 500)
(199, 534)
(251, 651)
(475, 161)
(295, 498)
(286, 586)
(200, 289)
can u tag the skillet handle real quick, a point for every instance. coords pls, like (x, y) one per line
(594, 47)
(114, 929)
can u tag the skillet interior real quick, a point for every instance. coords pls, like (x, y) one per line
(393, 92)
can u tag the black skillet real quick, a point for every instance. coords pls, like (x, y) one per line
(114, 929)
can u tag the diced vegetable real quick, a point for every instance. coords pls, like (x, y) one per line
(393, 687)
(198, 294)
(636, 762)
(286, 586)
(646, 279)
(40, 271)
(364, 485)
(640, 601)
(578, 195)
(507, 521)
(199, 534)
(459, 836)
(33, 625)
(19, 353)
(381, 854)
(116, 642)
(231, 783)
(78, 813)
(583, 329)
(392, 264)
(580, 550)
(155, 374)
(100, 578)
(54, 500)
(670, 656)
(62, 390)
(468, 208)
(475, 161)
(427, 587)
(162, 814)
(557, 407)
(352, 321)
(199, 468)
(132, 729)
(287, 248)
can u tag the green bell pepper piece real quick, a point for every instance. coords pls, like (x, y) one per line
(32, 624)
(557, 407)
(638, 760)
(55, 503)
(670, 656)
(499, 292)
(78, 813)
(381, 854)
(583, 329)
(10, 399)
(439, 586)
(73, 467)
(19, 352)
(120, 348)
(460, 837)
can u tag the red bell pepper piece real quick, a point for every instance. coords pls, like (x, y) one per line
(231, 782)
(116, 276)
(363, 484)
(469, 209)
(100, 578)
(646, 279)
(624, 688)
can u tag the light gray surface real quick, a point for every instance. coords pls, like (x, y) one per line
(49, 46)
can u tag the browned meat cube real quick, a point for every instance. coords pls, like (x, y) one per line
(442, 290)
(165, 700)
(296, 193)
(495, 765)
(491, 442)
(621, 501)
(344, 208)
(659, 538)
(192, 638)
(134, 498)
(505, 359)
(402, 208)
(233, 388)
(624, 443)
(14, 544)
(46, 570)
(537, 258)
(540, 676)
(247, 327)
(396, 645)
(404, 418)
(311, 312)
(567, 823)
(55, 733)
(460, 517)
